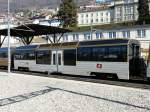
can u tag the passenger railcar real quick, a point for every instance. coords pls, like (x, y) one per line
(116, 58)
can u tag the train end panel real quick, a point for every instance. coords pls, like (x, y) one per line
(148, 72)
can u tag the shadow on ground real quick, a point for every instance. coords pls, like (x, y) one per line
(101, 98)
(19, 98)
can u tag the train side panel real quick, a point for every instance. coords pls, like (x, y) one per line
(23, 64)
(148, 71)
(81, 68)
(119, 68)
(32, 66)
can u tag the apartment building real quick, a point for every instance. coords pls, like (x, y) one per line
(95, 16)
(114, 11)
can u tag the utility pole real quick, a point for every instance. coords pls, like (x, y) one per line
(8, 31)
(148, 59)
(91, 29)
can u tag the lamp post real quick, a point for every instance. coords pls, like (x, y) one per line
(91, 29)
(8, 32)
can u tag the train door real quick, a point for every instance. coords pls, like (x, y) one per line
(56, 60)
(137, 66)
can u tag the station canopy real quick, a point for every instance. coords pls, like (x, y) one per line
(28, 31)
(33, 30)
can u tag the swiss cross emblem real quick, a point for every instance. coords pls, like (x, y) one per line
(99, 66)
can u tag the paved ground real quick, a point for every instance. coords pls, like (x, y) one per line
(26, 93)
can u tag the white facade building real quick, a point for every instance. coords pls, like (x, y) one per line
(125, 10)
(49, 22)
(115, 11)
(137, 32)
(96, 16)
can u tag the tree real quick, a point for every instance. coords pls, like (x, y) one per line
(68, 13)
(143, 9)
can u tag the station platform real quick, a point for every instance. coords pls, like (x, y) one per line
(26, 93)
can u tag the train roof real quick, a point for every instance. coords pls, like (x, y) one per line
(85, 43)
(76, 44)
(5, 49)
(28, 47)
(59, 45)
(103, 42)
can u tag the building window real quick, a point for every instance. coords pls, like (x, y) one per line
(129, 13)
(87, 36)
(128, 1)
(99, 35)
(75, 37)
(65, 38)
(112, 34)
(141, 33)
(107, 13)
(82, 22)
(97, 14)
(126, 34)
(87, 21)
(96, 20)
(86, 15)
(106, 19)
(82, 15)
(119, 14)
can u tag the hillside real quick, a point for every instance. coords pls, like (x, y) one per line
(27, 4)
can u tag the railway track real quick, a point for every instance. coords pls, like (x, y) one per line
(125, 83)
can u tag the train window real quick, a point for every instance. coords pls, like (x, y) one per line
(124, 53)
(84, 54)
(59, 59)
(3, 55)
(106, 53)
(135, 49)
(43, 57)
(99, 54)
(117, 54)
(25, 55)
(31, 55)
(54, 59)
(70, 57)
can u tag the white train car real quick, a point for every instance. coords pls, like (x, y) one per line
(116, 58)
(24, 58)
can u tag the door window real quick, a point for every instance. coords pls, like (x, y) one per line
(54, 59)
(59, 58)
